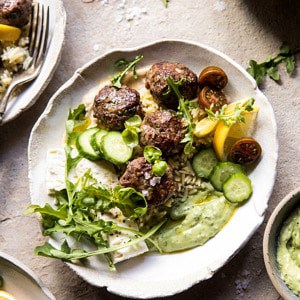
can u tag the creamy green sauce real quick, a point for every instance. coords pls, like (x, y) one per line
(195, 221)
(288, 252)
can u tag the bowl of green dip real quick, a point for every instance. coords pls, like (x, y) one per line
(281, 246)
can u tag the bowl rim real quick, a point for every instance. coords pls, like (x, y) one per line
(23, 269)
(280, 213)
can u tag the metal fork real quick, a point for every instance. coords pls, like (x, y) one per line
(39, 32)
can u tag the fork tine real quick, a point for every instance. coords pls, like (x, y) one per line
(44, 37)
(39, 35)
(33, 27)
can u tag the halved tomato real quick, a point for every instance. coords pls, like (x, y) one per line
(213, 77)
(245, 151)
(208, 97)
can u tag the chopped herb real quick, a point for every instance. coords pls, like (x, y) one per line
(232, 118)
(269, 66)
(131, 132)
(153, 155)
(126, 66)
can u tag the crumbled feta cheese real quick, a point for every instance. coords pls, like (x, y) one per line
(102, 171)
(123, 237)
(154, 181)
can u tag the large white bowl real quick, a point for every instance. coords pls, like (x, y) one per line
(29, 94)
(155, 275)
(20, 281)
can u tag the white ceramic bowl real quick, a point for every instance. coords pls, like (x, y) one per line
(20, 281)
(29, 94)
(155, 275)
(274, 225)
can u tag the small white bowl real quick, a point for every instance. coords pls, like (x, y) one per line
(274, 225)
(20, 281)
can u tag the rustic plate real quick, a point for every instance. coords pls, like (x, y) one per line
(155, 275)
(20, 281)
(33, 90)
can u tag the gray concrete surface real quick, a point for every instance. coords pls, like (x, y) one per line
(242, 29)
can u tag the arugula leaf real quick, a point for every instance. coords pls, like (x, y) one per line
(269, 66)
(234, 117)
(132, 203)
(79, 207)
(184, 110)
(127, 66)
(68, 254)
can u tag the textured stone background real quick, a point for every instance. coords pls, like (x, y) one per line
(242, 29)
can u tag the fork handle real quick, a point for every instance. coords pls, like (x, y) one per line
(4, 100)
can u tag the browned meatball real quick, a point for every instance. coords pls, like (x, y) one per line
(164, 130)
(156, 190)
(15, 12)
(113, 106)
(156, 82)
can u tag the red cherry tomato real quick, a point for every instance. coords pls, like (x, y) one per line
(213, 77)
(208, 97)
(245, 151)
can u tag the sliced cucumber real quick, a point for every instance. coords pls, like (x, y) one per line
(97, 138)
(237, 188)
(204, 162)
(114, 148)
(84, 146)
(221, 172)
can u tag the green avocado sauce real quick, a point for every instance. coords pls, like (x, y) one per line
(288, 252)
(194, 221)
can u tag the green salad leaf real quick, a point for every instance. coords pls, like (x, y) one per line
(131, 132)
(270, 66)
(68, 254)
(79, 207)
(126, 66)
(153, 155)
(183, 109)
(235, 117)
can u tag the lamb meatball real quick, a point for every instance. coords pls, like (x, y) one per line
(164, 130)
(15, 12)
(156, 190)
(156, 82)
(113, 106)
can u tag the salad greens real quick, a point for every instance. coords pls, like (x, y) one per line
(131, 132)
(126, 66)
(231, 118)
(153, 156)
(78, 206)
(183, 109)
(270, 66)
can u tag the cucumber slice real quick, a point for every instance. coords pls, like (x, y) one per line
(221, 172)
(237, 188)
(114, 148)
(204, 162)
(97, 138)
(84, 146)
